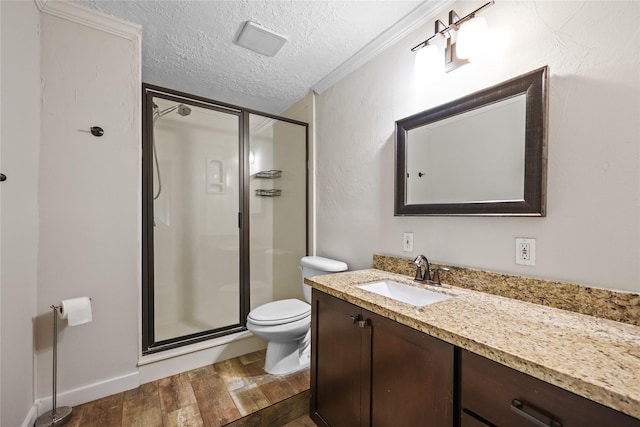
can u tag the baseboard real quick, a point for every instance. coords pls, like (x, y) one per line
(31, 417)
(90, 392)
(151, 369)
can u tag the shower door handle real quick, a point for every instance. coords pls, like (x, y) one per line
(240, 220)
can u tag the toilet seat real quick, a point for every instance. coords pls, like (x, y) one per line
(279, 312)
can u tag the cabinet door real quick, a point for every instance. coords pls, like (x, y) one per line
(335, 361)
(509, 398)
(411, 376)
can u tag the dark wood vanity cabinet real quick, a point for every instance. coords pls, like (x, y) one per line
(495, 395)
(367, 370)
(336, 362)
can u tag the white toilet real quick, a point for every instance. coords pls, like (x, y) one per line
(285, 324)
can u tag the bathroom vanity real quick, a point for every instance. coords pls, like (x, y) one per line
(361, 375)
(472, 360)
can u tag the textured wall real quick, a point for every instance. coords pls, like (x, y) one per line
(89, 194)
(591, 234)
(20, 147)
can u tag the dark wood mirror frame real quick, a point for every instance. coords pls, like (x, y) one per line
(534, 85)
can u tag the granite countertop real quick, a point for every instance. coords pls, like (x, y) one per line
(595, 358)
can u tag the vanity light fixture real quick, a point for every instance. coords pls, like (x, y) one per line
(470, 33)
(427, 60)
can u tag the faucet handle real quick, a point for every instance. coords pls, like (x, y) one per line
(436, 275)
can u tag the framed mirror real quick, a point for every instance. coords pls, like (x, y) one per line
(483, 154)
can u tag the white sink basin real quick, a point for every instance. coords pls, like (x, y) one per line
(404, 293)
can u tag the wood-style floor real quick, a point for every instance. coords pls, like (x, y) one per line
(235, 392)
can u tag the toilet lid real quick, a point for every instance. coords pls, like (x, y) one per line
(280, 312)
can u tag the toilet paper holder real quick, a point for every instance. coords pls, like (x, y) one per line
(56, 416)
(58, 307)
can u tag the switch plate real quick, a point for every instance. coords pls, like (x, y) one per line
(407, 242)
(525, 251)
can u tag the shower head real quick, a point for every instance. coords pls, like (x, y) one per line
(183, 110)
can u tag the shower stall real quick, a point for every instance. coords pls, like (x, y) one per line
(224, 215)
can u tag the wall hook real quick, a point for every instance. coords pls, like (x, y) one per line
(3, 177)
(97, 131)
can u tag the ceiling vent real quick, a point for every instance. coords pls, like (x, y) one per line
(260, 39)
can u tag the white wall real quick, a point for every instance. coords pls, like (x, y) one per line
(591, 234)
(89, 194)
(19, 161)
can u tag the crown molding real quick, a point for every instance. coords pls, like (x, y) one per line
(72, 12)
(416, 18)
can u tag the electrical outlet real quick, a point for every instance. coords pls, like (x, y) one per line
(525, 251)
(407, 242)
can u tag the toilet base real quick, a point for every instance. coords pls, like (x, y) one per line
(287, 357)
(305, 350)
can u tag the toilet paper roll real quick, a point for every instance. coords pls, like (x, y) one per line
(77, 311)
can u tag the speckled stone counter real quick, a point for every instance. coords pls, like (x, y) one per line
(608, 304)
(589, 356)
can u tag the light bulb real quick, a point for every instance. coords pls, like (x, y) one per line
(428, 60)
(472, 37)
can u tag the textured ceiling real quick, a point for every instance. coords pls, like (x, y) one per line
(188, 45)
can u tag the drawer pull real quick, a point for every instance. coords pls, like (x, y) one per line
(518, 407)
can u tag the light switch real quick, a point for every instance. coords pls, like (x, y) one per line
(407, 242)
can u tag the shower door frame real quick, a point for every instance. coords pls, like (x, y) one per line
(149, 345)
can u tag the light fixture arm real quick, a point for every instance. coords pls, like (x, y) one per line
(454, 19)
(440, 29)
(454, 24)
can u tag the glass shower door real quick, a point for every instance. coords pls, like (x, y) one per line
(278, 193)
(196, 239)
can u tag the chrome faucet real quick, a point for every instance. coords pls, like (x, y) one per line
(420, 275)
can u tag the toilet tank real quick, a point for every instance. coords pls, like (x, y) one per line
(316, 266)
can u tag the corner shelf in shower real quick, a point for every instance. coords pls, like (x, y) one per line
(268, 193)
(270, 174)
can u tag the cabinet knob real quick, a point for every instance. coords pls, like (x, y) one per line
(363, 323)
(355, 318)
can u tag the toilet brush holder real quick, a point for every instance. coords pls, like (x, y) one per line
(56, 416)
